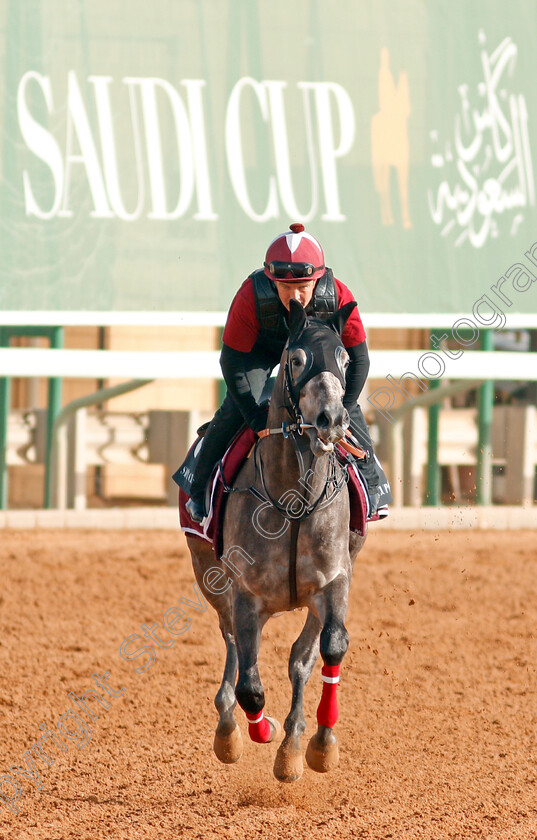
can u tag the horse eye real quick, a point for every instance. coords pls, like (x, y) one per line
(342, 359)
(296, 362)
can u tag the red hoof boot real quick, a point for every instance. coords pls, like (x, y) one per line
(262, 729)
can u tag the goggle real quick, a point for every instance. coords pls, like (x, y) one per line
(297, 269)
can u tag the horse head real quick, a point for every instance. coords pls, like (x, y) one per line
(315, 367)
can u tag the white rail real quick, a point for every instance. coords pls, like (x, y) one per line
(106, 364)
(372, 320)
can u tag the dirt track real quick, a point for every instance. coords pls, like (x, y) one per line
(438, 695)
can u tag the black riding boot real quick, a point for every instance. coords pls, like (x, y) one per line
(377, 484)
(220, 432)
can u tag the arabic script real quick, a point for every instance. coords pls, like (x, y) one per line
(489, 178)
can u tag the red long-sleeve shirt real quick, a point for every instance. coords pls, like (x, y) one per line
(242, 325)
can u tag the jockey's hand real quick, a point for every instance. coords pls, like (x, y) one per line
(260, 421)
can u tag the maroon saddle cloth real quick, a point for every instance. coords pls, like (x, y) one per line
(211, 528)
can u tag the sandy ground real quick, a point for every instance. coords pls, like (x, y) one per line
(438, 709)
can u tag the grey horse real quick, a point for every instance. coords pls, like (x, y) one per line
(287, 544)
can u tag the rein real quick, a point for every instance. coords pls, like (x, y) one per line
(294, 427)
(291, 430)
(308, 510)
(299, 425)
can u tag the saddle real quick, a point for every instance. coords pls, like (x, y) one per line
(211, 529)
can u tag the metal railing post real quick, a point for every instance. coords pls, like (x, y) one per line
(55, 337)
(485, 405)
(5, 390)
(54, 408)
(432, 491)
(430, 398)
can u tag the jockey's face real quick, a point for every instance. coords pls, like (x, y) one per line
(302, 291)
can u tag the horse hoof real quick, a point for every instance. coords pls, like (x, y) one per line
(275, 729)
(322, 753)
(228, 745)
(288, 765)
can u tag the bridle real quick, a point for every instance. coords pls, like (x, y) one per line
(291, 431)
(298, 424)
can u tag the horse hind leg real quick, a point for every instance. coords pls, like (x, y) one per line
(322, 753)
(227, 739)
(288, 766)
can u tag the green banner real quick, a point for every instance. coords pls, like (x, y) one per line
(151, 151)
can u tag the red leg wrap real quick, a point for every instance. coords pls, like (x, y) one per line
(258, 728)
(327, 713)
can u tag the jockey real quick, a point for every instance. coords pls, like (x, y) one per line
(254, 337)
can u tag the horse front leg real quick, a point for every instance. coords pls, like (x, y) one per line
(247, 624)
(228, 739)
(288, 766)
(322, 753)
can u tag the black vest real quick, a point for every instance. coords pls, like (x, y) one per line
(270, 310)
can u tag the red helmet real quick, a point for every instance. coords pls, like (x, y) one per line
(294, 257)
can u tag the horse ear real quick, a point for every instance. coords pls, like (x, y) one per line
(338, 320)
(297, 319)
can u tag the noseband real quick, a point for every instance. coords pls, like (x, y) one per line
(297, 425)
(291, 431)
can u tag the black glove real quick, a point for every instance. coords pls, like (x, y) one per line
(259, 421)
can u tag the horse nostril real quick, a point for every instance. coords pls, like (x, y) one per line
(328, 418)
(324, 419)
